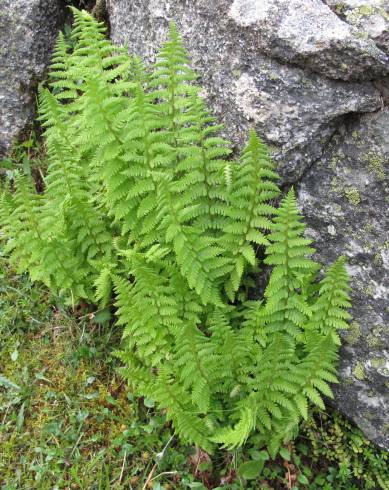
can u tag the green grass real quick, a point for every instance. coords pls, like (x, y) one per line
(67, 420)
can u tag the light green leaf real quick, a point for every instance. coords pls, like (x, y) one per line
(251, 469)
(8, 384)
(303, 479)
(285, 454)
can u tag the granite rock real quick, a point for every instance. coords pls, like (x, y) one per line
(28, 29)
(315, 88)
(345, 199)
(369, 17)
(293, 109)
(310, 34)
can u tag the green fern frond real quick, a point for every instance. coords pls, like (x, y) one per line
(141, 207)
(249, 209)
(289, 253)
(330, 310)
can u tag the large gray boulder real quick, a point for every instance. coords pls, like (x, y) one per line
(369, 17)
(28, 29)
(314, 88)
(345, 199)
(295, 110)
(307, 33)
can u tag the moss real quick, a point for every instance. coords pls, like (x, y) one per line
(368, 290)
(273, 76)
(100, 10)
(336, 188)
(334, 162)
(340, 8)
(378, 362)
(373, 341)
(306, 82)
(358, 14)
(353, 333)
(377, 258)
(375, 164)
(369, 228)
(365, 10)
(359, 371)
(369, 415)
(273, 149)
(337, 208)
(352, 195)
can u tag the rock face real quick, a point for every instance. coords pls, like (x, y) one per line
(370, 19)
(345, 198)
(28, 29)
(314, 86)
(307, 33)
(295, 110)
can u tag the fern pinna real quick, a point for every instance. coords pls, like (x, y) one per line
(143, 204)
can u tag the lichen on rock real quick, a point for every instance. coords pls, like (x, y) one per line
(362, 234)
(370, 18)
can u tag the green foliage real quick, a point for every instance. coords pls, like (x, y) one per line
(351, 460)
(139, 197)
(68, 421)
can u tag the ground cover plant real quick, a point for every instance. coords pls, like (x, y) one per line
(141, 208)
(69, 422)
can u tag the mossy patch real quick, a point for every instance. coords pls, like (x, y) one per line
(358, 14)
(359, 371)
(377, 362)
(353, 333)
(352, 195)
(374, 339)
(336, 186)
(365, 10)
(375, 164)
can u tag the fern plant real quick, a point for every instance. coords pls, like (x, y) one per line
(140, 203)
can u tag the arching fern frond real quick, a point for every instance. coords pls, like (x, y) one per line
(144, 210)
(249, 210)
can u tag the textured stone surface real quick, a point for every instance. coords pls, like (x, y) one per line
(369, 17)
(296, 71)
(308, 33)
(293, 109)
(345, 199)
(28, 29)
